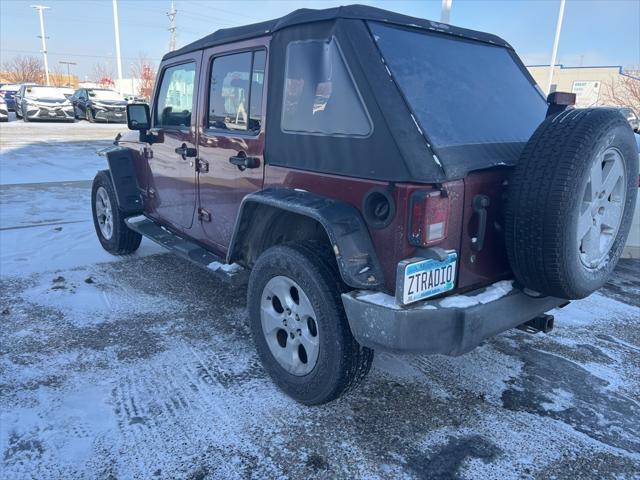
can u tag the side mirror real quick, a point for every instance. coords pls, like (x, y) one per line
(138, 116)
(559, 102)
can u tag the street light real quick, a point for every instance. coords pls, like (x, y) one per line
(68, 64)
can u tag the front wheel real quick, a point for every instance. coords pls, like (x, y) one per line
(299, 325)
(114, 235)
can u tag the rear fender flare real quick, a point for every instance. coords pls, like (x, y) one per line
(345, 228)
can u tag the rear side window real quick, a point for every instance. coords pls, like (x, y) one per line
(175, 98)
(462, 92)
(235, 95)
(320, 96)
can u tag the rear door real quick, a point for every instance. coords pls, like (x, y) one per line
(172, 174)
(231, 139)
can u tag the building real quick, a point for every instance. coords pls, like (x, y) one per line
(592, 85)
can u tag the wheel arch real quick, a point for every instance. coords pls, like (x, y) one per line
(279, 215)
(125, 182)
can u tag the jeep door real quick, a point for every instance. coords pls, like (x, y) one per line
(171, 193)
(231, 135)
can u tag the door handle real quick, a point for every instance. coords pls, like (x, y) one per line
(480, 204)
(185, 151)
(243, 162)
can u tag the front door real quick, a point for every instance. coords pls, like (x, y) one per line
(171, 192)
(231, 142)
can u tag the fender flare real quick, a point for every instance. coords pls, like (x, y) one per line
(350, 240)
(125, 181)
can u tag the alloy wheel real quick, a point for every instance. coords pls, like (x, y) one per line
(289, 325)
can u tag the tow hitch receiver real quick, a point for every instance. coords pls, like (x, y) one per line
(542, 323)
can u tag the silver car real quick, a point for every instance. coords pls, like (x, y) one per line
(36, 102)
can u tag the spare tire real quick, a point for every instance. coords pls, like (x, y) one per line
(570, 202)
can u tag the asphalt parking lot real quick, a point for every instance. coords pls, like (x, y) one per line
(143, 367)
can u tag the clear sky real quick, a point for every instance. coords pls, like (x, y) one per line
(595, 32)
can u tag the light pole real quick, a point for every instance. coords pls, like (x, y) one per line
(556, 41)
(68, 64)
(40, 9)
(116, 27)
(445, 13)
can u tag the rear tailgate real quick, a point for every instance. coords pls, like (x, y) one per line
(483, 256)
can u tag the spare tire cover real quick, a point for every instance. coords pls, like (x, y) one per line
(570, 202)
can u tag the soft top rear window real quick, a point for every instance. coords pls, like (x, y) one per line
(463, 92)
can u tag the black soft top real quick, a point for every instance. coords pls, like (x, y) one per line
(307, 15)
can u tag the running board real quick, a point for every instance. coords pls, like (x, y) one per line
(189, 250)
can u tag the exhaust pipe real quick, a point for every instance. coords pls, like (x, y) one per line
(542, 323)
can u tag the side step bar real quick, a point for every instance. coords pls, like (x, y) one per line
(188, 250)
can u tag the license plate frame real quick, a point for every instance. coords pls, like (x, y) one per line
(420, 278)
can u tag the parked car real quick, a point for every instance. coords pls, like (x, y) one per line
(37, 102)
(99, 104)
(7, 92)
(400, 205)
(4, 111)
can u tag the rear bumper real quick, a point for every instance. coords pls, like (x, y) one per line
(452, 325)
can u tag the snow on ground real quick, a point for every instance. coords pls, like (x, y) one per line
(143, 367)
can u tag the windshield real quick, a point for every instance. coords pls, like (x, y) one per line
(46, 92)
(9, 88)
(462, 92)
(105, 95)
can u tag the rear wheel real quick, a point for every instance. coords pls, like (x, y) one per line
(114, 235)
(571, 201)
(299, 326)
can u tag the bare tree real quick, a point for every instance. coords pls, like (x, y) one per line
(24, 69)
(103, 75)
(623, 91)
(144, 70)
(58, 77)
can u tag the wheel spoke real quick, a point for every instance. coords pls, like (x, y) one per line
(304, 308)
(596, 179)
(271, 320)
(612, 215)
(613, 173)
(585, 222)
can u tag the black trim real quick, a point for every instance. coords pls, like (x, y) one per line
(347, 231)
(427, 327)
(307, 16)
(125, 183)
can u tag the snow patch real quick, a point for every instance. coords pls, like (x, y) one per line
(491, 294)
(225, 267)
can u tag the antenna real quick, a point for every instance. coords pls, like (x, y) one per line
(172, 26)
(40, 9)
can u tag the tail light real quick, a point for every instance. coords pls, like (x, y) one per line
(429, 215)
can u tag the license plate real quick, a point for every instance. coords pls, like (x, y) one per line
(427, 278)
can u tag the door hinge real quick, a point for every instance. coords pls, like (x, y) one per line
(147, 153)
(202, 166)
(204, 215)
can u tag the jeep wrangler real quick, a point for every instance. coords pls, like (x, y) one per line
(381, 182)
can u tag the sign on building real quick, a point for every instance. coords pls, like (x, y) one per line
(587, 92)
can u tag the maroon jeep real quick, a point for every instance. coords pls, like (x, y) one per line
(382, 182)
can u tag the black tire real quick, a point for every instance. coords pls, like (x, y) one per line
(342, 363)
(123, 240)
(546, 196)
(90, 116)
